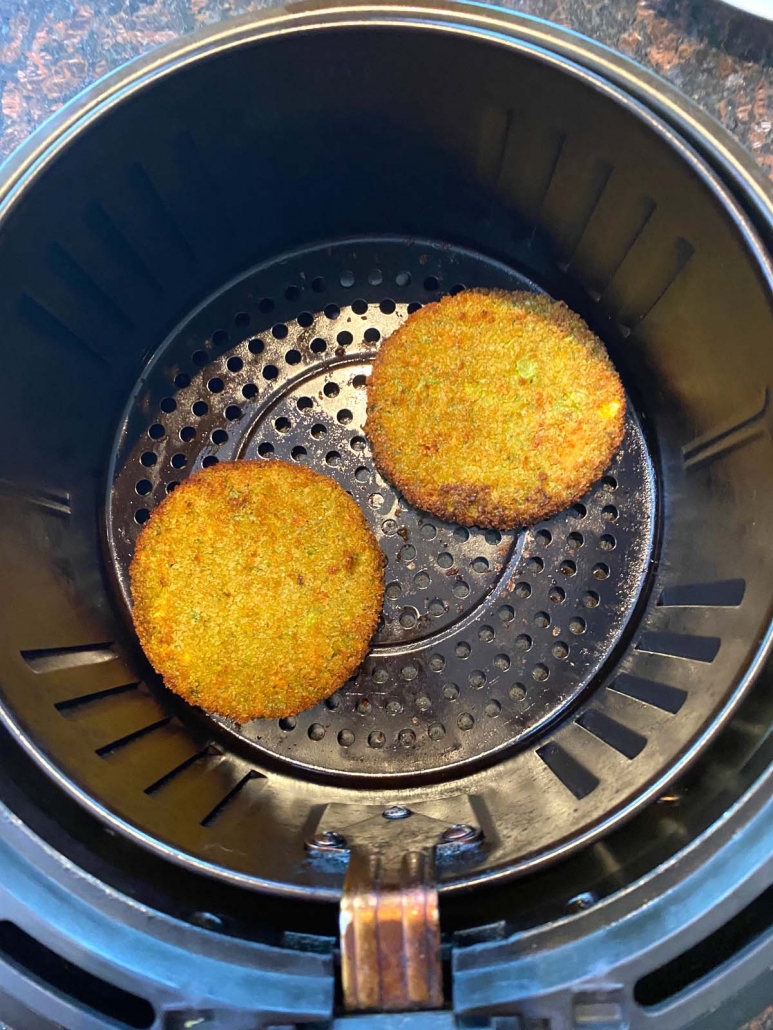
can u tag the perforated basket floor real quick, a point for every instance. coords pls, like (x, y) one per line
(485, 636)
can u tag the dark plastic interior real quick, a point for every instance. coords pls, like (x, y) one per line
(251, 154)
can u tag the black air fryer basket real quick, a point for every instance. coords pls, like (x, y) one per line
(564, 727)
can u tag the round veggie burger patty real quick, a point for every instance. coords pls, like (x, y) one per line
(256, 588)
(494, 409)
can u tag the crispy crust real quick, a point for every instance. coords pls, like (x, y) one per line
(256, 588)
(494, 409)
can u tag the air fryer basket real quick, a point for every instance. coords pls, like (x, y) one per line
(204, 272)
(338, 202)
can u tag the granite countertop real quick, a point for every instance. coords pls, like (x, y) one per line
(51, 49)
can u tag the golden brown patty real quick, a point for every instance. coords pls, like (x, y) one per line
(494, 409)
(256, 588)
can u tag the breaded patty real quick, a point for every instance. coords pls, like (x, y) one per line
(494, 409)
(256, 588)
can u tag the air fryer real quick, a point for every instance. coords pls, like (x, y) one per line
(201, 258)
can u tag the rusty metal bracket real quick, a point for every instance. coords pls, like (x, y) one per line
(389, 919)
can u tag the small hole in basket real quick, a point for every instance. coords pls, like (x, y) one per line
(493, 709)
(283, 425)
(461, 589)
(179, 461)
(209, 461)
(477, 679)
(266, 306)
(318, 431)
(359, 307)
(292, 357)
(288, 724)
(437, 662)
(331, 389)
(486, 634)
(305, 319)
(493, 536)
(270, 372)
(601, 571)
(436, 731)
(568, 567)
(609, 513)
(235, 364)
(318, 346)
(609, 482)
(465, 721)
(523, 642)
(544, 536)
(249, 390)
(577, 626)
(298, 453)
(450, 692)
(575, 540)
(560, 650)
(219, 436)
(215, 385)
(457, 288)
(557, 594)
(393, 591)
(344, 416)
(241, 319)
(421, 580)
(522, 590)
(333, 458)
(431, 284)
(506, 614)
(172, 486)
(141, 515)
(540, 672)
(607, 542)
(346, 738)
(408, 553)
(200, 408)
(148, 459)
(517, 692)
(480, 565)
(502, 662)
(292, 293)
(182, 380)
(255, 346)
(535, 565)
(445, 560)
(376, 739)
(304, 403)
(168, 404)
(406, 738)
(220, 338)
(371, 335)
(200, 358)
(360, 381)
(144, 486)
(375, 277)
(358, 444)
(542, 620)
(403, 279)
(436, 608)
(157, 431)
(590, 599)
(414, 307)
(362, 474)
(316, 731)
(187, 433)
(344, 338)
(279, 331)
(332, 311)
(265, 449)
(318, 284)
(463, 649)
(347, 279)
(387, 306)
(579, 511)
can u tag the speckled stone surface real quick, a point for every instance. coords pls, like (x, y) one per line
(51, 49)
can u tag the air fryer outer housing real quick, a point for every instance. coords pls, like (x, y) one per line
(198, 172)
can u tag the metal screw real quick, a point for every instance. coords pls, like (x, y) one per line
(581, 902)
(460, 834)
(328, 840)
(396, 812)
